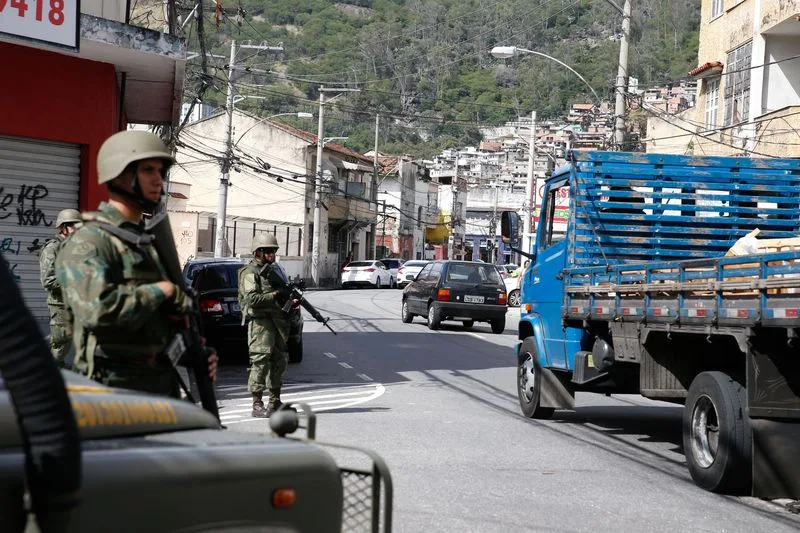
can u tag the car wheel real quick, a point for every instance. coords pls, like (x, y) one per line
(529, 382)
(717, 437)
(468, 323)
(513, 298)
(434, 317)
(295, 350)
(378, 282)
(498, 325)
(405, 314)
(392, 283)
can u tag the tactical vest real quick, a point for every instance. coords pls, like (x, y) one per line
(247, 311)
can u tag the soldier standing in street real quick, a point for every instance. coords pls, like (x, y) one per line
(60, 319)
(267, 329)
(125, 312)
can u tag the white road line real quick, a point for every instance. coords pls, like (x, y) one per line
(312, 400)
(364, 377)
(379, 390)
(330, 355)
(344, 365)
(476, 335)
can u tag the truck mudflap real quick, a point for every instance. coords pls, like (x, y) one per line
(776, 470)
(367, 490)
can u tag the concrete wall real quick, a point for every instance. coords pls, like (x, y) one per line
(107, 9)
(782, 80)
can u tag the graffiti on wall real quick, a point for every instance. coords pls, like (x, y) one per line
(22, 203)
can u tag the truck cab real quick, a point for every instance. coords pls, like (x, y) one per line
(636, 287)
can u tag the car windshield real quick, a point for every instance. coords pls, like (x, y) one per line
(473, 273)
(213, 277)
(361, 264)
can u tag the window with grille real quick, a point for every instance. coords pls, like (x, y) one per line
(712, 102)
(737, 85)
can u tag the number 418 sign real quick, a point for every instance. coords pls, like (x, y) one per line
(50, 21)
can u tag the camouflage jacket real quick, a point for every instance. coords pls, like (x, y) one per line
(256, 294)
(109, 285)
(47, 270)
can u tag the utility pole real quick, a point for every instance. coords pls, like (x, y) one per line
(493, 232)
(530, 187)
(452, 237)
(222, 196)
(227, 162)
(383, 235)
(318, 183)
(374, 195)
(622, 76)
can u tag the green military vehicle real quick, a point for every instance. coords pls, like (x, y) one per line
(78, 456)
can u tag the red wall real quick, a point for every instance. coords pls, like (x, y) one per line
(54, 97)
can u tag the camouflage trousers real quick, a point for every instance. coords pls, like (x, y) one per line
(60, 332)
(269, 355)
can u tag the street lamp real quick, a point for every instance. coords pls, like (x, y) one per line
(505, 52)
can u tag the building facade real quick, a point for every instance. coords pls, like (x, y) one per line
(73, 85)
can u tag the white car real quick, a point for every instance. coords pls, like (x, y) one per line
(372, 273)
(512, 289)
(408, 271)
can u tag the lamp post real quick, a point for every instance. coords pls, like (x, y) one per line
(505, 52)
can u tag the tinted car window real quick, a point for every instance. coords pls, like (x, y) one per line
(436, 273)
(423, 275)
(391, 263)
(214, 277)
(379, 264)
(473, 273)
(360, 264)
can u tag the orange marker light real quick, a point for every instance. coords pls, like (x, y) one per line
(284, 498)
(443, 295)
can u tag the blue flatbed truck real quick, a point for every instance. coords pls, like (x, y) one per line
(631, 290)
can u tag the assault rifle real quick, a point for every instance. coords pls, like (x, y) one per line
(186, 348)
(291, 291)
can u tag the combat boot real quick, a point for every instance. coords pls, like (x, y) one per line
(258, 406)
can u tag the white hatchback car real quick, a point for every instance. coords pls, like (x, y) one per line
(372, 273)
(409, 271)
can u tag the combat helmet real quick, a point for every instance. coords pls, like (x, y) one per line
(68, 216)
(264, 240)
(126, 147)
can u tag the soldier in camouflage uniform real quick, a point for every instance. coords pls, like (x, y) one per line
(268, 327)
(125, 311)
(60, 319)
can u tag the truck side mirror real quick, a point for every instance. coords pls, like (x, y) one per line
(509, 228)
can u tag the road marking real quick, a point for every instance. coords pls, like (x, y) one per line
(319, 401)
(344, 365)
(330, 355)
(476, 335)
(364, 377)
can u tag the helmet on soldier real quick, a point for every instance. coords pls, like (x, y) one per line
(126, 147)
(68, 216)
(264, 240)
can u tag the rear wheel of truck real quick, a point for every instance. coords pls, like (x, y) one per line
(717, 438)
(529, 382)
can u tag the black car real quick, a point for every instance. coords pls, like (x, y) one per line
(217, 284)
(457, 290)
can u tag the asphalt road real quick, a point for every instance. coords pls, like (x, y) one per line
(441, 409)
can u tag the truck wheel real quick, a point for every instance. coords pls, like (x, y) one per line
(434, 317)
(405, 314)
(295, 350)
(498, 325)
(529, 382)
(717, 438)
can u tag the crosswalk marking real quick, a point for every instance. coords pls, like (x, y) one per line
(327, 399)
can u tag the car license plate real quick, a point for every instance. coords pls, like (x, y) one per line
(473, 299)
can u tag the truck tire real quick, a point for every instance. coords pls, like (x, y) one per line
(717, 438)
(405, 314)
(529, 382)
(434, 317)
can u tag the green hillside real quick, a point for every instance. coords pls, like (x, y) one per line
(425, 66)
